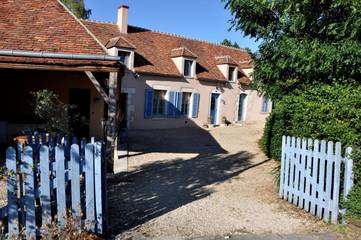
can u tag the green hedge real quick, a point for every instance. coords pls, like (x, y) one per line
(323, 112)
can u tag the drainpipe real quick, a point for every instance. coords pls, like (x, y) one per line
(17, 53)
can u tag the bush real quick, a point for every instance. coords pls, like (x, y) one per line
(330, 112)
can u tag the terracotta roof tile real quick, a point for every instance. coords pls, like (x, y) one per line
(119, 42)
(153, 50)
(182, 52)
(38, 25)
(226, 60)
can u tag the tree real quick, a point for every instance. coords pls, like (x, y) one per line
(303, 42)
(228, 43)
(78, 8)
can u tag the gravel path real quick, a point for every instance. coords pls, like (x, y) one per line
(187, 183)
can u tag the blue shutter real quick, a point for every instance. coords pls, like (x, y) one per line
(178, 104)
(195, 105)
(171, 104)
(148, 103)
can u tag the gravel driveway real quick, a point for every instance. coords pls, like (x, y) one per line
(188, 183)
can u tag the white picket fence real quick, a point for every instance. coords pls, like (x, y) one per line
(311, 175)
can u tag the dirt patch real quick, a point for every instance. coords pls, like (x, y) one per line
(193, 183)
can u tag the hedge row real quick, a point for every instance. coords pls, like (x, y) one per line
(323, 112)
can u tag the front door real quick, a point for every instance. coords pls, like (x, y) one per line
(79, 112)
(214, 108)
(242, 107)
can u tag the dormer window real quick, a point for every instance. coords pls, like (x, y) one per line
(188, 68)
(232, 73)
(124, 57)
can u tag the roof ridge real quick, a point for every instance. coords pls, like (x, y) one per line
(97, 21)
(196, 39)
(173, 35)
(83, 26)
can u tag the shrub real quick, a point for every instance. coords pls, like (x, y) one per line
(331, 112)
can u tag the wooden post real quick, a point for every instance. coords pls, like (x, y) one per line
(112, 123)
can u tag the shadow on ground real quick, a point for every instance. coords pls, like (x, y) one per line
(157, 188)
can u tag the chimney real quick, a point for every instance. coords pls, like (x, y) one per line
(123, 18)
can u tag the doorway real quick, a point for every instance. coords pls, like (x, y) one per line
(214, 108)
(79, 111)
(242, 107)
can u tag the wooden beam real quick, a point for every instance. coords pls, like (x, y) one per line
(58, 67)
(97, 86)
(112, 123)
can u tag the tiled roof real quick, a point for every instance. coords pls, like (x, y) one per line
(119, 42)
(44, 26)
(226, 60)
(182, 52)
(154, 50)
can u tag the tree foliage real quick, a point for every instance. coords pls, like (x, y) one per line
(303, 42)
(52, 111)
(228, 43)
(309, 63)
(78, 8)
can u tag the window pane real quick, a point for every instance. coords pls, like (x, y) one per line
(124, 57)
(186, 99)
(188, 67)
(159, 102)
(231, 73)
(265, 104)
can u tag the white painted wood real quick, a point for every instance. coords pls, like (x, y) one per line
(302, 195)
(310, 175)
(292, 170)
(282, 172)
(348, 175)
(336, 183)
(321, 190)
(287, 168)
(314, 176)
(297, 171)
(328, 181)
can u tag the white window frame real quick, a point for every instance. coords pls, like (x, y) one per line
(193, 67)
(165, 103)
(268, 104)
(234, 74)
(130, 64)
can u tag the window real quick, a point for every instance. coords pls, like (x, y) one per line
(265, 104)
(186, 100)
(231, 73)
(124, 57)
(188, 68)
(159, 102)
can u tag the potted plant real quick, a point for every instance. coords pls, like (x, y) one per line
(210, 125)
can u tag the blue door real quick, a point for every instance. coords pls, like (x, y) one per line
(214, 108)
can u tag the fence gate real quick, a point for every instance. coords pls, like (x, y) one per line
(51, 180)
(311, 175)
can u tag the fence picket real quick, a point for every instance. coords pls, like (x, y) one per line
(75, 180)
(336, 183)
(89, 187)
(310, 175)
(11, 191)
(98, 187)
(292, 169)
(60, 184)
(321, 184)
(287, 168)
(302, 194)
(29, 197)
(282, 170)
(348, 176)
(45, 175)
(328, 179)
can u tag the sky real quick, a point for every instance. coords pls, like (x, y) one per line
(200, 19)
